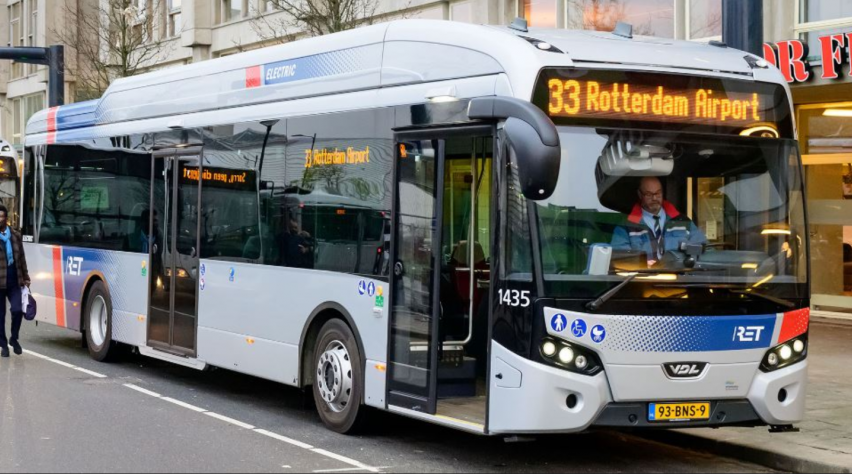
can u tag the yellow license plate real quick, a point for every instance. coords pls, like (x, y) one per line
(678, 411)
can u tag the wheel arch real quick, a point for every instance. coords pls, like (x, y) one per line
(310, 333)
(94, 277)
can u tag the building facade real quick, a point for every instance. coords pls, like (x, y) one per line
(196, 30)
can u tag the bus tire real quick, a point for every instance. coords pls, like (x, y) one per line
(338, 380)
(97, 317)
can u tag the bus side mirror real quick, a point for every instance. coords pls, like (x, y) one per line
(538, 163)
(531, 136)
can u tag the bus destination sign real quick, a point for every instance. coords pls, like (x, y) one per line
(608, 97)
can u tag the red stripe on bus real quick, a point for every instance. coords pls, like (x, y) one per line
(51, 125)
(58, 289)
(253, 77)
(795, 324)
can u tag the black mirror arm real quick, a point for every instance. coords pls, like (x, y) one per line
(495, 107)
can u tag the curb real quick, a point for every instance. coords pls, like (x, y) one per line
(763, 457)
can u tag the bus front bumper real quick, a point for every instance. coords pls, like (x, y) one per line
(551, 400)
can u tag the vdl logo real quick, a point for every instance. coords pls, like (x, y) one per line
(748, 333)
(74, 266)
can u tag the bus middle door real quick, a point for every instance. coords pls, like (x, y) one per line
(174, 220)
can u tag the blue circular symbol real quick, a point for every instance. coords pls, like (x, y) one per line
(203, 269)
(559, 322)
(598, 334)
(362, 288)
(233, 274)
(371, 289)
(579, 328)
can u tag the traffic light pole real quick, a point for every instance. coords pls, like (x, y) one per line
(52, 57)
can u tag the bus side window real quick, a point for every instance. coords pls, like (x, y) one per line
(339, 171)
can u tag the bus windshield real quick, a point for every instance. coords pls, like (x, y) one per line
(678, 214)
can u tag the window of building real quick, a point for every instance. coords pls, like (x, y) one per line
(822, 17)
(16, 36)
(232, 10)
(704, 19)
(648, 17)
(174, 20)
(32, 29)
(541, 13)
(22, 109)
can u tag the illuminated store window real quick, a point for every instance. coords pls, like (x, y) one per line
(826, 141)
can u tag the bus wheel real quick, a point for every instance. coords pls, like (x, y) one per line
(338, 382)
(98, 323)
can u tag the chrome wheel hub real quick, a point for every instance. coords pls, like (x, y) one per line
(334, 376)
(98, 321)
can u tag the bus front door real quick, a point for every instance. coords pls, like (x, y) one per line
(440, 274)
(173, 251)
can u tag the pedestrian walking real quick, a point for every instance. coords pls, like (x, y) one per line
(13, 264)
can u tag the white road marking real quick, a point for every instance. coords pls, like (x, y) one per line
(89, 372)
(357, 466)
(345, 469)
(184, 405)
(229, 420)
(344, 460)
(58, 362)
(284, 439)
(142, 390)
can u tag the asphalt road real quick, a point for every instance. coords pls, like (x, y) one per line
(61, 411)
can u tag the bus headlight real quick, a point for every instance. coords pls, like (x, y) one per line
(570, 356)
(785, 355)
(566, 355)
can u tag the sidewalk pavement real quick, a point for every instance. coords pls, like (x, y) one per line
(824, 443)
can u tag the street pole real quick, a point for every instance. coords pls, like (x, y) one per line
(742, 25)
(56, 77)
(52, 57)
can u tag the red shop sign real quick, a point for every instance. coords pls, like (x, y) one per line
(792, 57)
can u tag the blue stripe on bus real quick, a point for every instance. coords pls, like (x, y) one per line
(689, 333)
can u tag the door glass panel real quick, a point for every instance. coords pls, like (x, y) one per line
(160, 255)
(186, 254)
(412, 311)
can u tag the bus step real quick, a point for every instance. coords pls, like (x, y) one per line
(184, 361)
(457, 380)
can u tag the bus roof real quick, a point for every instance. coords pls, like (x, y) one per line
(381, 56)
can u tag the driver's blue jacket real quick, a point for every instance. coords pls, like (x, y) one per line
(637, 236)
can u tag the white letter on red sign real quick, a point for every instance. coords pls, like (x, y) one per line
(792, 59)
(832, 55)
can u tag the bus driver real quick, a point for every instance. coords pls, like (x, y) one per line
(656, 226)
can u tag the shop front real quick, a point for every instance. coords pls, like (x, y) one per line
(817, 67)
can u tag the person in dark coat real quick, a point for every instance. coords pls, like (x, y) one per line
(13, 265)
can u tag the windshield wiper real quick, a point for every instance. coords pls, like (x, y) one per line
(773, 299)
(596, 304)
(737, 290)
(632, 275)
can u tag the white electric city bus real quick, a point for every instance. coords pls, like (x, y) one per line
(501, 230)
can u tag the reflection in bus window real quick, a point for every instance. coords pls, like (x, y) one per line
(335, 206)
(95, 198)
